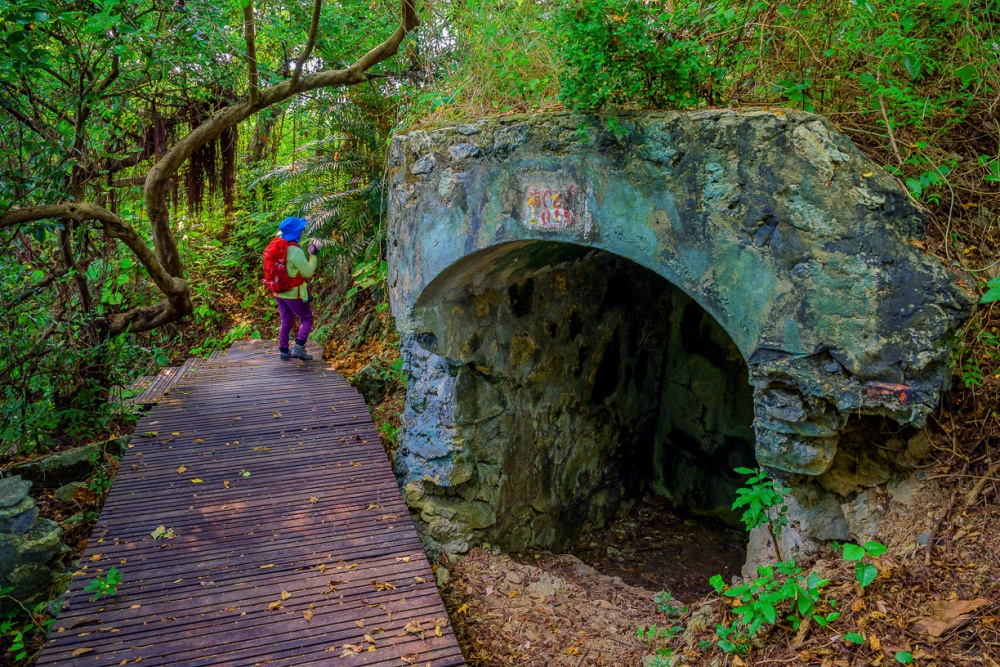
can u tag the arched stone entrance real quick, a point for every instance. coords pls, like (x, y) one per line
(794, 242)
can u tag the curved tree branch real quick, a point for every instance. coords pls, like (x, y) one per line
(155, 190)
(310, 42)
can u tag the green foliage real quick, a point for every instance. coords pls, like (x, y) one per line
(854, 638)
(904, 657)
(25, 628)
(865, 572)
(627, 53)
(992, 291)
(106, 585)
(665, 604)
(779, 589)
(764, 500)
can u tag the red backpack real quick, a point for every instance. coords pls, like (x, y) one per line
(276, 277)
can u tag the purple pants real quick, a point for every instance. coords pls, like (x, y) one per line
(289, 309)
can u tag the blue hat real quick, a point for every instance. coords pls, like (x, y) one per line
(291, 228)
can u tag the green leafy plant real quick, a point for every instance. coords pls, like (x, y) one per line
(25, 627)
(904, 657)
(864, 571)
(100, 483)
(854, 638)
(106, 585)
(665, 604)
(992, 291)
(764, 503)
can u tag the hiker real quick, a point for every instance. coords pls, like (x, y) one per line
(286, 268)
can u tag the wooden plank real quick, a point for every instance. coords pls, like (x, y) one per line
(321, 505)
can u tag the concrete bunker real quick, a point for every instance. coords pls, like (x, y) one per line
(582, 312)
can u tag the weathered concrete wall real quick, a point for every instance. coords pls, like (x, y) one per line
(793, 241)
(563, 381)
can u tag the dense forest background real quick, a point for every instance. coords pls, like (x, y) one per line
(94, 95)
(149, 148)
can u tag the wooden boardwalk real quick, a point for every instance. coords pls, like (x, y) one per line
(290, 542)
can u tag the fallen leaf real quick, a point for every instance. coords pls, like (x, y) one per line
(360, 624)
(225, 484)
(314, 500)
(197, 481)
(464, 609)
(321, 567)
(948, 615)
(308, 615)
(868, 174)
(383, 585)
(181, 469)
(572, 650)
(274, 605)
(82, 651)
(369, 638)
(197, 440)
(414, 628)
(264, 567)
(285, 595)
(512, 594)
(276, 414)
(403, 559)
(351, 566)
(95, 557)
(410, 658)
(135, 606)
(420, 580)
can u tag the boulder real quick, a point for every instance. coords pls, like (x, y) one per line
(372, 383)
(13, 490)
(59, 469)
(18, 518)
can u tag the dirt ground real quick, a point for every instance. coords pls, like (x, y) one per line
(649, 546)
(941, 606)
(585, 607)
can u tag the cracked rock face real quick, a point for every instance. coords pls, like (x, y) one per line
(795, 243)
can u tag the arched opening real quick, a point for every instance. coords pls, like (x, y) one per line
(586, 388)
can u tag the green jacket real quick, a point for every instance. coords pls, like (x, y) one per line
(299, 264)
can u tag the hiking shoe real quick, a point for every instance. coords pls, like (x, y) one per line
(284, 355)
(299, 352)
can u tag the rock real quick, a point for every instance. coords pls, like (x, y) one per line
(13, 490)
(367, 329)
(514, 577)
(542, 588)
(347, 308)
(918, 448)
(372, 382)
(462, 151)
(442, 576)
(30, 580)
(795, 453)
(116, 447)
(58, 469)
(424, 165)
(67, 492)
(39, 545)
(18, 519)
